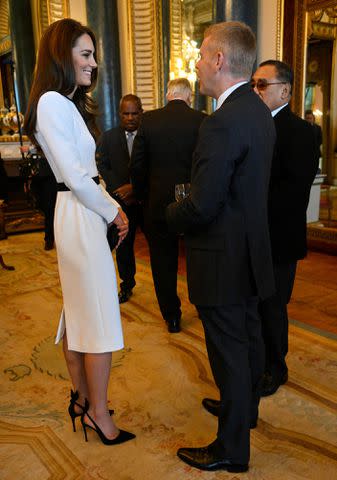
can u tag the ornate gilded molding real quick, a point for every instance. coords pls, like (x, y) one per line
(4, 19)
(176, 39)
(299, 55)
(305, 11)
(319, 4)
(323, 23)
(50, 11)
(5, 39)
(145, 35)
(279, 29)
(324, 30)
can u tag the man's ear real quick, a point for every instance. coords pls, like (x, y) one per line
(220, 60)
(286, 91)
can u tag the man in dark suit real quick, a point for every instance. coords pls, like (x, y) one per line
(310, 117)
(161, 158)
(44, 187)
(113, 162)
(293, 170)
(225, 221)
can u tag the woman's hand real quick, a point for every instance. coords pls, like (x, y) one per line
(122, 223)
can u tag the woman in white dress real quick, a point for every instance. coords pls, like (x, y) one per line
(60, 120)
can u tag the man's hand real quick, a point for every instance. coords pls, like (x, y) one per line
(125, 193)
(122, 223)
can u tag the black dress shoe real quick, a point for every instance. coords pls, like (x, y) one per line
(124, 295)
(271, 384)
(173, 326)
(208, 458)
(213, 407)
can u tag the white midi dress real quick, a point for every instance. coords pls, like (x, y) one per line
(90, 314)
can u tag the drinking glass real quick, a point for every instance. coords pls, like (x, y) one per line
(181, 191)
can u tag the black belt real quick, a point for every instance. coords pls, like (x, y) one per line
(62, 187)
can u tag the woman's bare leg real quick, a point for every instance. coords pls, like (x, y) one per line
(97, 369)
(75, 365)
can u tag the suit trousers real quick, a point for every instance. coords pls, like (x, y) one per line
(236, 355)
(45, 190)
(164, 253)
(125, 255)
(274, 317)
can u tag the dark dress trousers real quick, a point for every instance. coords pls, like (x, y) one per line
(161, 158)
(113, 162)
(294, 167)
(44, 186)
(318, 139)
(228, 253)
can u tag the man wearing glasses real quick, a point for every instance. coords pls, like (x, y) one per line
(293, 170)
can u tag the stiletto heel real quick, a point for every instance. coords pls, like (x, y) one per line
(122, 437)
(84, 430)
(74, 396)
(71, 409)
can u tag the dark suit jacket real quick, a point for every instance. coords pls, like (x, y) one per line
(225, 218)
(112, 156)
(293, 170)
(162, 155)
(318, 139)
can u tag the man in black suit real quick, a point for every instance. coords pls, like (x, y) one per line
(161, 158)
(44, 186)
(113, 162)
(293, 170)
(225, 221)
(310, 117)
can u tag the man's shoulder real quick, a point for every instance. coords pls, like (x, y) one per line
(152, 113)
(198, 114)
(112, 132)
(112, 135)
(241, 108)
(291, 122)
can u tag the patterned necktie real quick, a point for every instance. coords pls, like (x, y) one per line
(129, 141)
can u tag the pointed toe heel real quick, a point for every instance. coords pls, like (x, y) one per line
(122, 437)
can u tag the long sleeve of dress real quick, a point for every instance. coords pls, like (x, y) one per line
(60, 131)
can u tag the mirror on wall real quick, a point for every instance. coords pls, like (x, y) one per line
(189, 19)
(320, 90)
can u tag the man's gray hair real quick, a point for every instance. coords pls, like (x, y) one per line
(179, 87)
(237, 42)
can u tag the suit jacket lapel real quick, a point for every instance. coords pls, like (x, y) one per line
(123, 141)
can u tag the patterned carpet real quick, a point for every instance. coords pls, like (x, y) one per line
(156, 388)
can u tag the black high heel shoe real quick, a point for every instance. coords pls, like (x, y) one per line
(74, 396)
(122, 437)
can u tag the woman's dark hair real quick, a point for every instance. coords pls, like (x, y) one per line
(55, 71)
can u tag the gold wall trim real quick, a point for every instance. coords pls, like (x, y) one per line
(176, 39)
(303, 10)
(299, 56)
(50, 11)
(319, 4)
(5, 45)
(324, 30)
(4, 19)
(279, 29)
(145, 32)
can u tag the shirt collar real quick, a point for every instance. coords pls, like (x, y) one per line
(134, 133)
(275, 112)
(227, 92)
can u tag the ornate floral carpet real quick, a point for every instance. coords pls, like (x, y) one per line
(156, 388)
